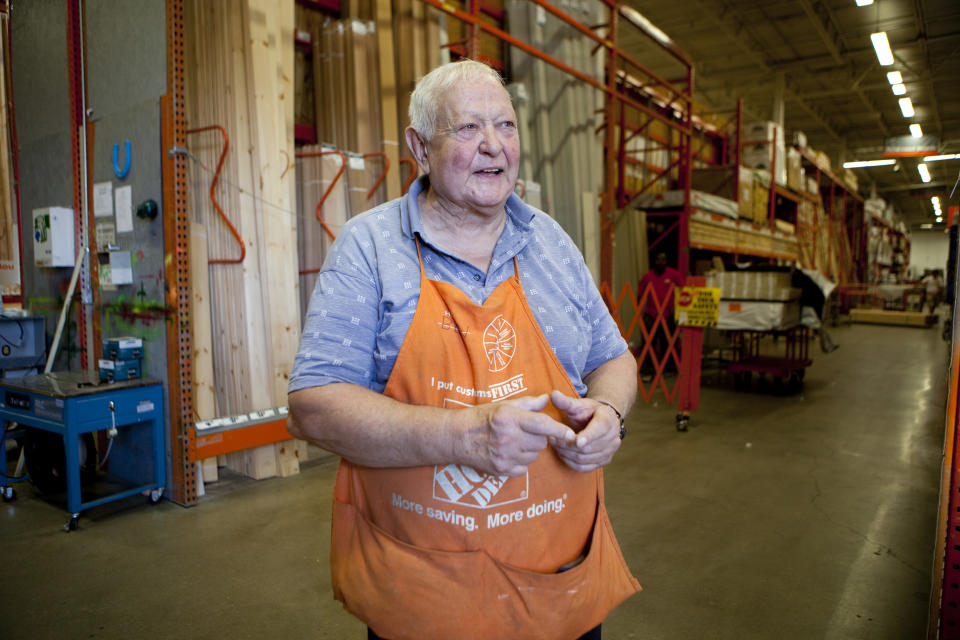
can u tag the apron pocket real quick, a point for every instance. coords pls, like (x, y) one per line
(402, 591)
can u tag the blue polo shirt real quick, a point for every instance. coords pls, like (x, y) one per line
(367, 292)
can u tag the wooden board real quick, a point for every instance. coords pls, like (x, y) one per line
(898, 318)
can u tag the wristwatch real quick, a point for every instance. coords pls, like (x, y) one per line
(623, 429)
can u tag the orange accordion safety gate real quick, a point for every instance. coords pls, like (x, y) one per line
(668, 356)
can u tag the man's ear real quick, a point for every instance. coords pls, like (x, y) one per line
(418, 147)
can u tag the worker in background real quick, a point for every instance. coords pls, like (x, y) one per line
(932, 282)
(658, 284)
(458, 357)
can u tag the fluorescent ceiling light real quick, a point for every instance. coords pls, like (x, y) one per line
(882, 46)
(926, 226)
(868, 163)
(899, 89)
(952, 156)
(906, 106)
(935, 201)
(915, 130)
(894, 77)
(939, 219)
(864, 3)
(924, 172)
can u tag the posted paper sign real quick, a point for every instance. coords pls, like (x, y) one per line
(102, 199)
(123, 199)
(697, 306)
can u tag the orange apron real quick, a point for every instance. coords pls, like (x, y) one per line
(447, 552)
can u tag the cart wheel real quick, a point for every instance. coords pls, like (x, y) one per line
(795, 381)
(155, 496)
(9, 494)
(801, 374)
(73, 523)
(682, 421)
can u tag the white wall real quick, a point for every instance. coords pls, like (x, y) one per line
(928, 250)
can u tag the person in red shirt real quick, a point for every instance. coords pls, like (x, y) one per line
(661, 280)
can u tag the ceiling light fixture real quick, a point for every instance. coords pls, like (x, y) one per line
(924, 172)
(939, 219)
(864, 3)
(859, 164)
(882, 46)
(926, 226)
(894, 77)
(899, 89)
(951, 156)
(906, 107)
(915, 130)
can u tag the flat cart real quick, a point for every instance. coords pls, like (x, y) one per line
(786, 370)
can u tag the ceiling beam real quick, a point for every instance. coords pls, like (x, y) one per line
(726, 19)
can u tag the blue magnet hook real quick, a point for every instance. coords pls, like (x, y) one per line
(121, 173)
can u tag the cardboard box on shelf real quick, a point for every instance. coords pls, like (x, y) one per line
(812, 187)
(753, 285)
(719, 181)
(761, 202)
(795, 173)
(800, 139)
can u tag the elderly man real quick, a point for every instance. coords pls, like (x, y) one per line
(458, 357)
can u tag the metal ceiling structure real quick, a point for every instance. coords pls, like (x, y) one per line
(817, 55)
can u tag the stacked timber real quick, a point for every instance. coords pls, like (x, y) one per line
(568, 167)
(239, 71)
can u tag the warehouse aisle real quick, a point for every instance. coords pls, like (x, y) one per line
(803, 516)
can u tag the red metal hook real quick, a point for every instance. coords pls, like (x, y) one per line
(386, 167)
(213, 197)
(413, 173)
(326, 194)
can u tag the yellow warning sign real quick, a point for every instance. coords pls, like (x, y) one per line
(697, 306)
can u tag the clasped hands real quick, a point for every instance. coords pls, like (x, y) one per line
(512, 433)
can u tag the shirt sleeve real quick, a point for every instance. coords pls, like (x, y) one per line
(339, 333)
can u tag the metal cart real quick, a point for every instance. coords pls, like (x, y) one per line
(786, 370)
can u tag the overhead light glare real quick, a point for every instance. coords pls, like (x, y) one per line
(906, 107)
(899, 89)
(939, 219)
(950, 156)
(935, 201)
(915, 130)
(864, 3)
(868, 163)
(926, 226)
(894, 77)
(882, 46)
(924, 172)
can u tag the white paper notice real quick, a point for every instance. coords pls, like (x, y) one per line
(121, 267)
(123, 201)
(102, 199)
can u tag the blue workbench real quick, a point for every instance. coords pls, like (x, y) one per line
(70, 404)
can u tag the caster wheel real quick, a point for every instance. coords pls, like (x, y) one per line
(9, 495)
(73, 524)
(155, 496)
(682, 422)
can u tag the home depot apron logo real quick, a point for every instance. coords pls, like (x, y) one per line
(499, 343)
(465, 486)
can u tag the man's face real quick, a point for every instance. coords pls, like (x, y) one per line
(473, 158)
(660, 263)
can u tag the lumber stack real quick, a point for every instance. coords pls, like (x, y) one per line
(316, 176)
(347, 98)
(239, 75)
(569, 165)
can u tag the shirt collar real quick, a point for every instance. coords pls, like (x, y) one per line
(519, 215)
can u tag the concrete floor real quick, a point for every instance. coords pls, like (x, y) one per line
(810, 515)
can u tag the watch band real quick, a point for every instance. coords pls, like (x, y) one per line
(623, 429)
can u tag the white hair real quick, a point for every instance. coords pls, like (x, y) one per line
(428, 96)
